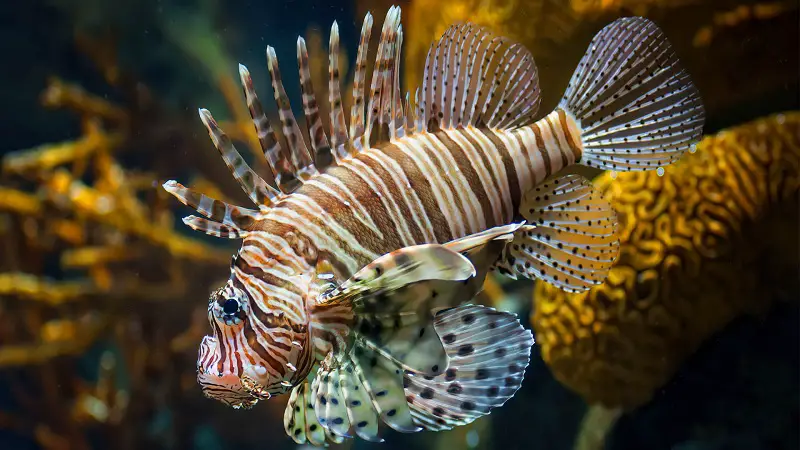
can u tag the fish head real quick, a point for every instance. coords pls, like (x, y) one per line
(255, 352)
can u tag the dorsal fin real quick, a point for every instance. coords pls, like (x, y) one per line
(382, 104)
(357, 109)
(259, 191)
(339, 137)
(475, 78)
(226, 220)
(323, 158)
(281, 167)
(300, 156)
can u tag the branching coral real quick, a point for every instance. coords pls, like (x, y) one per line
(714, 238)
(91, 259)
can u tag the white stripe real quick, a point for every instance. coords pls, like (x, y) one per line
(496, 163)
(469, 201)
(414, 203)
(483, 174)
(444, 197)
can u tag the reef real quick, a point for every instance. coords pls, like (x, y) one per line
(713, 239)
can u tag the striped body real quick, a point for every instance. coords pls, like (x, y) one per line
(426, 188)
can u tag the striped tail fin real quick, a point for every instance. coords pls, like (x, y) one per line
(636, 107)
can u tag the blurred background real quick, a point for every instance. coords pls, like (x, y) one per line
(692, 343)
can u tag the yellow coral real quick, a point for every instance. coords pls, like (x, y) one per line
(703, 244)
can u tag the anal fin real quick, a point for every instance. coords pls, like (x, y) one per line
(570, 240)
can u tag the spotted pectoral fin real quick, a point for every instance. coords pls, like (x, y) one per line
(395, 316)
(300, 420)
(383, 381)
(570, 240)
(393, 299)
(363, 416)
(330, 399)
(488, 351)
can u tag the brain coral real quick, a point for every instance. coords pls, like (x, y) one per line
(715, 237)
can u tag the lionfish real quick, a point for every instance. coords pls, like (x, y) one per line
(353, 282)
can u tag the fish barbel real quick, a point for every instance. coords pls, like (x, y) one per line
(352, 286)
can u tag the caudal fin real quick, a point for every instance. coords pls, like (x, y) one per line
(636, 107)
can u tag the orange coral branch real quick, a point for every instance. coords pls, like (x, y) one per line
(63, 95)
(19, 202)
(40, 289)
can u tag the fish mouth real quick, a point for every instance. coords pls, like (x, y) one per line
(226, 388)
(223, 386)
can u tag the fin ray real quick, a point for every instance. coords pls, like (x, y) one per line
(323, 158)
(357, 125)
(282, 169)
(488, 351)
(339, 136)
(298, 152)
(635, 105)
(259, 191)
(475, 78)
(571, 239)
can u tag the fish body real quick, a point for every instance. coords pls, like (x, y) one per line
(421, 189)
(352, 285)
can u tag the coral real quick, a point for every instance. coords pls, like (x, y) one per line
(92, 260)
(712, 239)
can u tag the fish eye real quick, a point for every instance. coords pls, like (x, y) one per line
(229, 309)
(231, 306)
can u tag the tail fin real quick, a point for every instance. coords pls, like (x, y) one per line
(636, 107)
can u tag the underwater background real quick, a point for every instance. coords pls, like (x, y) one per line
(692, 342)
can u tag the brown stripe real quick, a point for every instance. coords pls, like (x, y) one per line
(421, 185)
(262, 312)
(485, 161)
(374, 207)
(511, 172)
(554, 132)
(268, 278)
(396, 195)
(537, 133)
(471, 175)
(221, 345)
(528, 161)
(573, 141)
(251, 337)
(441, 168)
